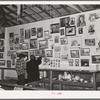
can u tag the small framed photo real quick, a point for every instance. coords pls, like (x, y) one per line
(91, 29)
(64, 57)
(16, 38)
(85, 51)
(2, 62)
(76, 62)
(46, 34)
(33, 31)
(80, 30)
(95, 59)
(75, 41)
(55, 28)
(39, 32)
(62, 31)
(57, 55)
(42, 52)
(64, 41)
(33, 43)
(43, 44)
(93, 17)
(70, 62)
(49, 53)
(81, 21)
(31, 52)
(56, 39)
(27, 34)
(2, 33)
(1, 45)
(25, 46)
(85, 62)
(57, 48)
(37, 52)
(74, 53)
(1, 55)
(70, 31)
(8, 63)
(72, 21)
(90, 42)
(22, 33)
(11, 35)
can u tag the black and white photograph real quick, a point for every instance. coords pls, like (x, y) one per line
(52, 39)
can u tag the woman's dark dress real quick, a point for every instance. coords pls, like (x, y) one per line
(33, 70)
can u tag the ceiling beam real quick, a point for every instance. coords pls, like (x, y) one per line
(66, 9)
(55, 10)
(77, 7)
(31, 8)
(44, 11)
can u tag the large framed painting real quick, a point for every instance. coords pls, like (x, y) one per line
(33, 43)
(55, 28)
(43, 44)
(70, 31)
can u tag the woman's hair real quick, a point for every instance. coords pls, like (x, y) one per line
(21, 56)
(32, 57)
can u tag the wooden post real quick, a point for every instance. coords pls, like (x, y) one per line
(51, 80)
(2, 75)
(94, 81)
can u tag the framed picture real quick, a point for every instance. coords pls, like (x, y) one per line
(11, 47)
(56, 39)
(57, 48)
(27, 34)
(13, 61)
(37, 52)
(1, 55)
(74, 53)
(64, 41)
(8, 63)
(81, 21)
(49, 53)
(70, 62)
(57, 55)
(33, 31)
(95, 59)
(72, 21)
(80, 30)
(64, 57)
(22, 33)
(91, 29)
(42, 52)
(70, 31)
(2, 62)
(39, 32)
(16, 38)
(85, 62)
(25, 46)
(90, 42)
(98, 46)
(21, 40)
(1, 45)
(11, 35)
(55, 28)
(2, 33)
(76, 62)
(93, 17)
(85, 51)
(62, 31)
(75, 41)
(31, 52)
(33, 43)
(46, 34)
(46, 61)
(43, 44)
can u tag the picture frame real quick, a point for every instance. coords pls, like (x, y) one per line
(27, 34)
(57, 55)
(75, 41)
(76, 62)
(42, 52)
(70, 31)
(31, 52)
(81, 20)
(2, 33)
(72, 21)
(11, 35)
(93, 17)
(33, 44)
(85, 62)
(16, 38)
(64, 57)
(1, 45)
(55, 28)
(85, 51)
(46, 34)
(90, 42)
(62, 31)
(22, 33)
(2, 62)
(70, 62)
(40, 32)
(49, 53)
(57, 48)
(25, 46)
(95, 59)
(74, 53)
(33, 31)
(80, 30)
(8, 63)
(1, 55)
(37, 52)
(64, 41)
(91, 29)
(43, 44)
(56, 39)
(46, 61)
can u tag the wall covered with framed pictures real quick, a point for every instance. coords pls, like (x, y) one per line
(72, 41)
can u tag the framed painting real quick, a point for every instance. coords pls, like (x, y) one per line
(57, 48)
(46, 34)
(49, 53)
(1, 45)
(42, 52)
(90, 42)
(70, 62)
(64, 41)
(72, 21)
(2, 62)
(27, 34)
(80, 30)
(1, 55)
(76, 62)
(33, 43)
(8, 63)
(43, 44)
(57, 55)
(74, 53)
(39, 32)
(85, 62)
(33, 32)
(93, 17)
(22, 33)
(31, 52)
(62, 31)
(2, 33)
(56, 39)
(95, 59)
(85, 51)
(91, 29)
(37, 52)
(55, 28)
(70, 31)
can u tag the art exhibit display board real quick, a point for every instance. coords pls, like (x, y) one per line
(67, 42)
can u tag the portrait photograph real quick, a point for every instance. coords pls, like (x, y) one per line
(33, 32)
(27, 34)
(46, 34)
(72, 21)
(33, 43)
(76, 62)
(43, 44)
(55, 28)
(70, 62)
(40, 32)
(74, 53)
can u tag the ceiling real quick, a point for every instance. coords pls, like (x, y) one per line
(33, 13)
